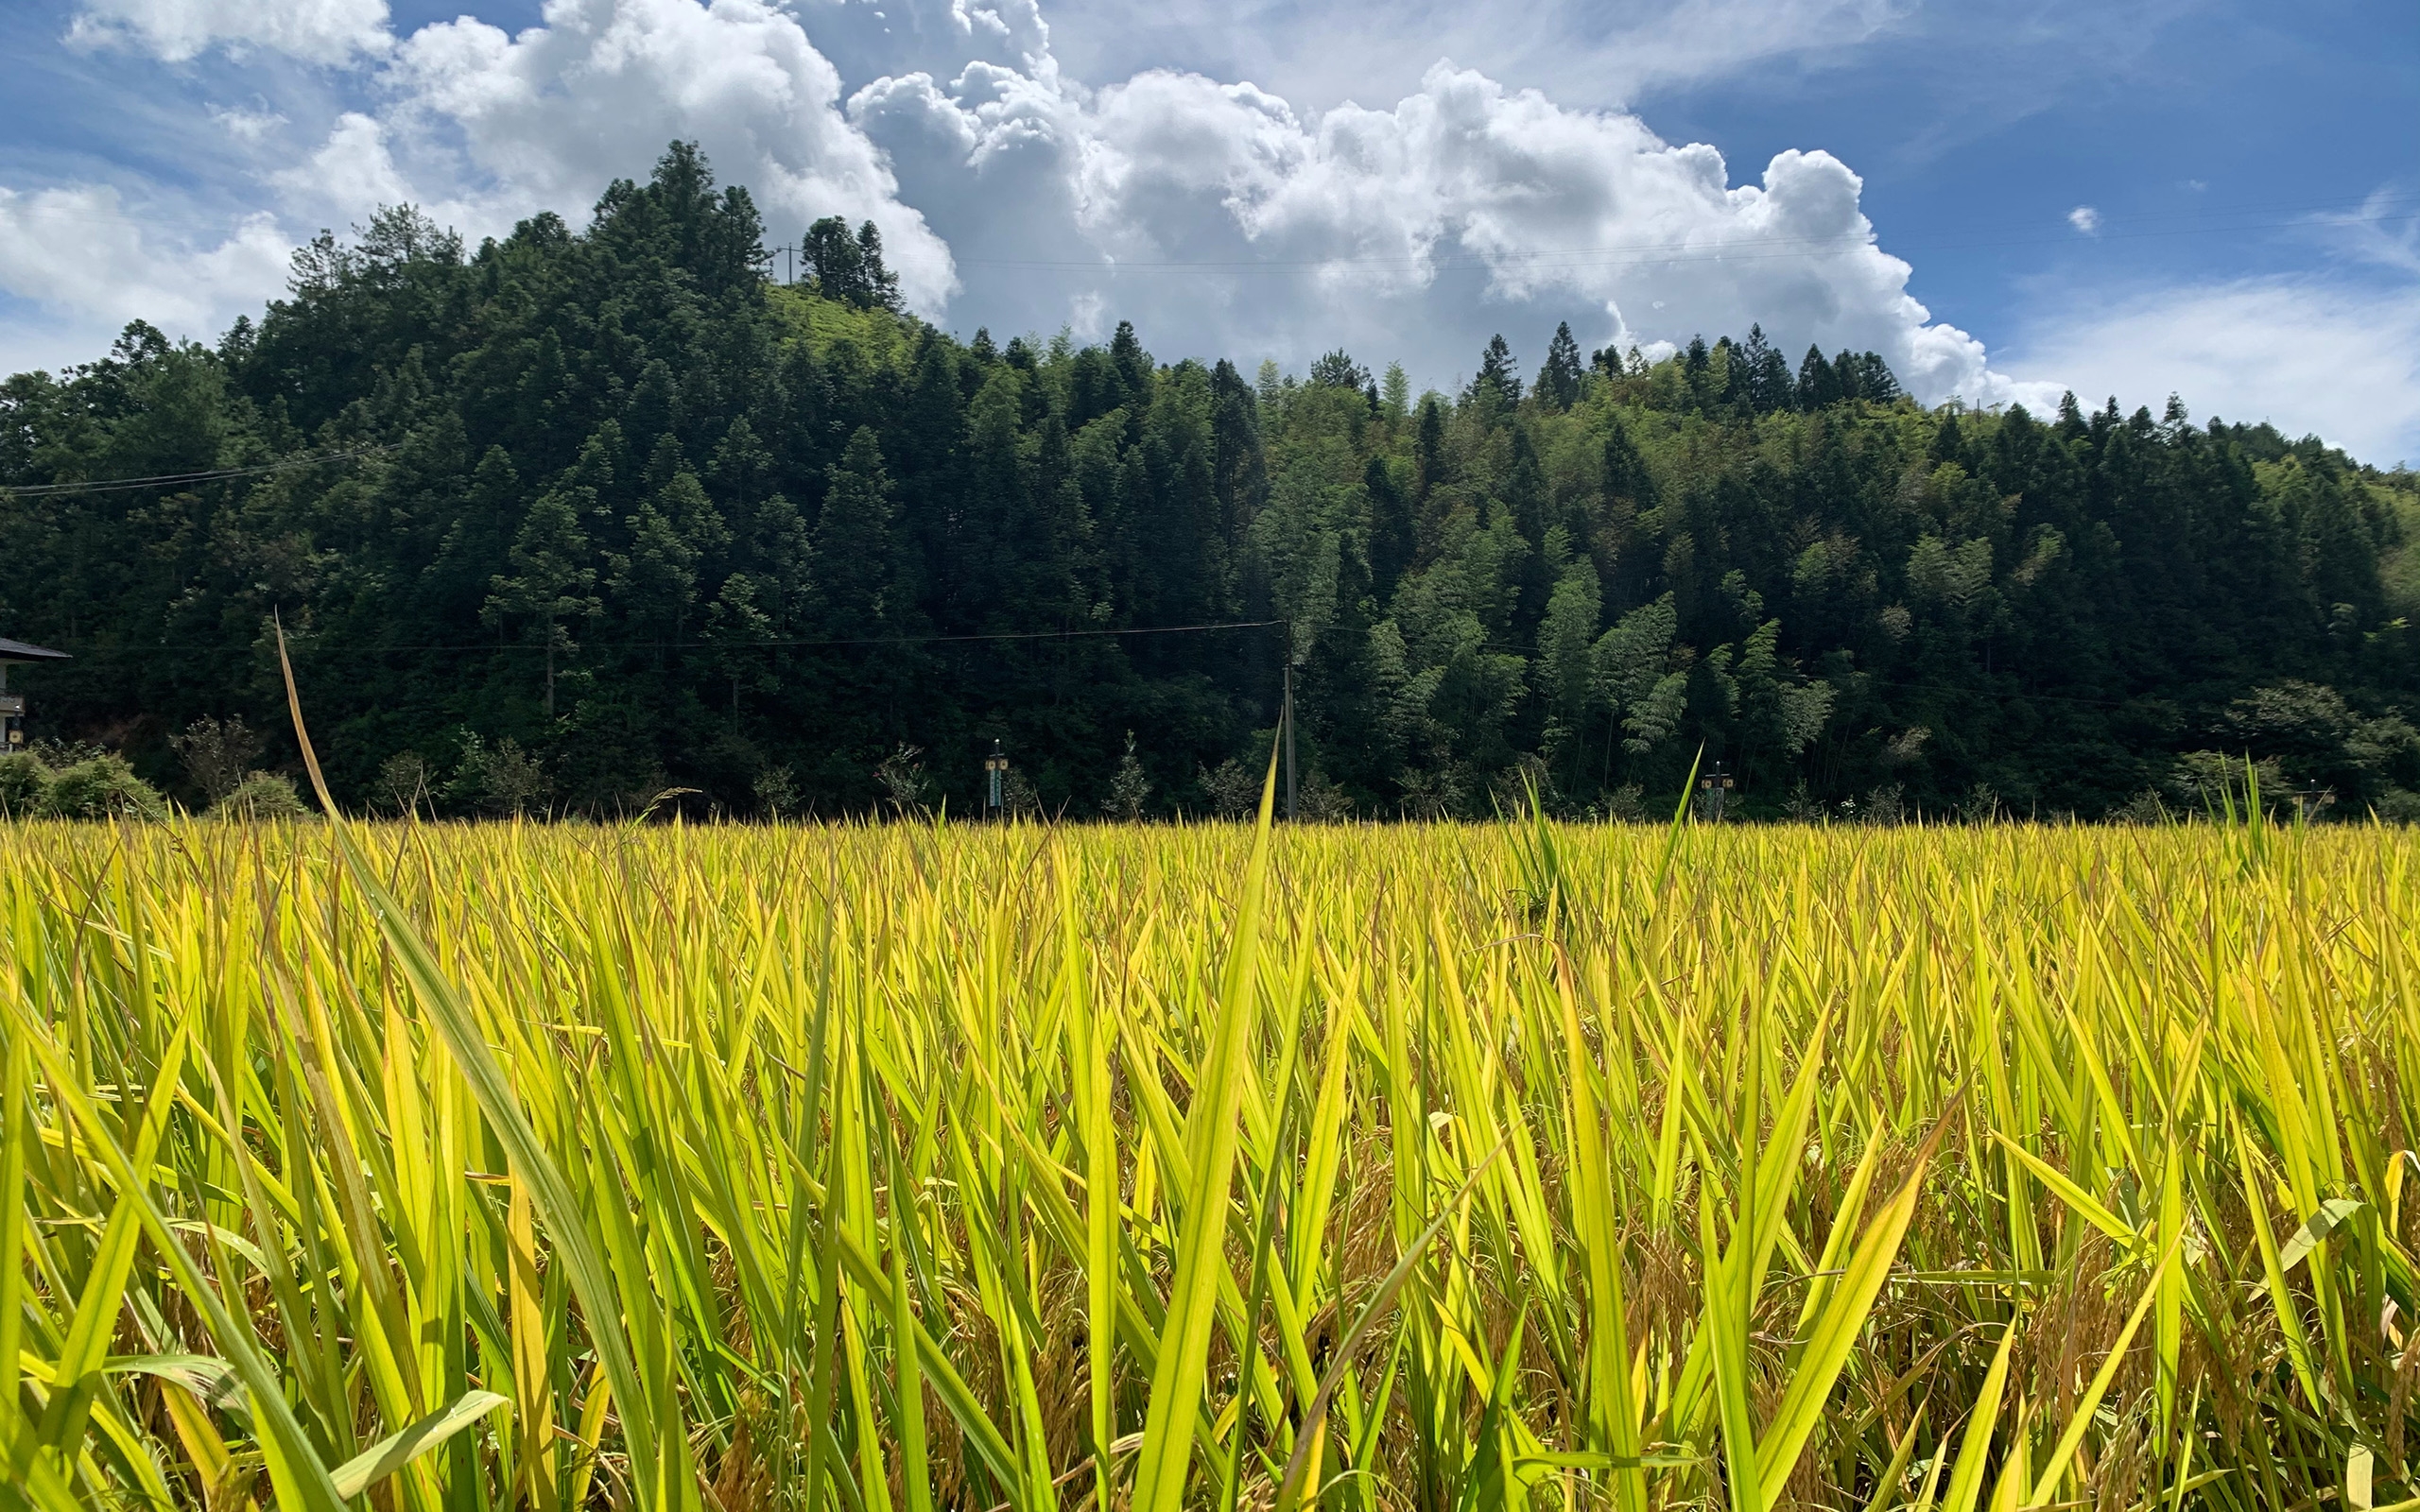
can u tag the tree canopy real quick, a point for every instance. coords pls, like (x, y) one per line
(620, 497)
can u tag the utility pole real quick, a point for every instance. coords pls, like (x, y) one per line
(994, 767)
(1288, 720)
(2309, 802)
(1714, 789)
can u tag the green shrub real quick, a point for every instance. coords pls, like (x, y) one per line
(503, 780)
(103, 787)
(2146, 807)
(405, 784)
(261, 796)
(217, 756)
(24, 781)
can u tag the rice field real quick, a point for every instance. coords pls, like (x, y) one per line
(889, 1168)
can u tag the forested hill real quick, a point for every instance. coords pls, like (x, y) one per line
(614, 497)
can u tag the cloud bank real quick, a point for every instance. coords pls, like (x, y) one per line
(551, 115)
(1218, 216)
(177, 31)
(1219, 219)
(78, 262)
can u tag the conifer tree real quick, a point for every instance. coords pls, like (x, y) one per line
(1498, 375)
(1429, 449)
(1239, 475)
(656, 580)
(1875, 380)
(1336, 370)
(1819, 383)
(1625, 475)
(1557, 386)
(1850, 375)
(741, 469)
(781, 551)
(549, 588)
(1393, 539)
(1525, 500)
(494, 500)
(1133, 365)
(853, 539)
(849, 270)
(1768, 374)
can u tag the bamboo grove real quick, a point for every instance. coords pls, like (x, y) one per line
(447, 1168)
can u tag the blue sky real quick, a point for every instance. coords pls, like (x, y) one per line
(2214, 198)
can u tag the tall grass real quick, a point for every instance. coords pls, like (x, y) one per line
(901, 1168)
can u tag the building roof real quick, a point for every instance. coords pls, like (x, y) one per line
(20, 651)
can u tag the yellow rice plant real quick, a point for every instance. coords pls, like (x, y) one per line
(892, 1168)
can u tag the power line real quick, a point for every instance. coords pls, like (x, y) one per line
(997, 635)
(170, 480)
(1648, 255)
(1650, 250)
(1883, 682)
(303, 646)
(29, 210)
(1631, 254)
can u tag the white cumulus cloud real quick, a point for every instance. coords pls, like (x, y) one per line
(547, 117)
(319, 32)
(354, 171)
(87, 262)
(1221, 218)
(1224, 222)
(2085, 218)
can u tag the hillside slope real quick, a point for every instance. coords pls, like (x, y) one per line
(612, 496)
